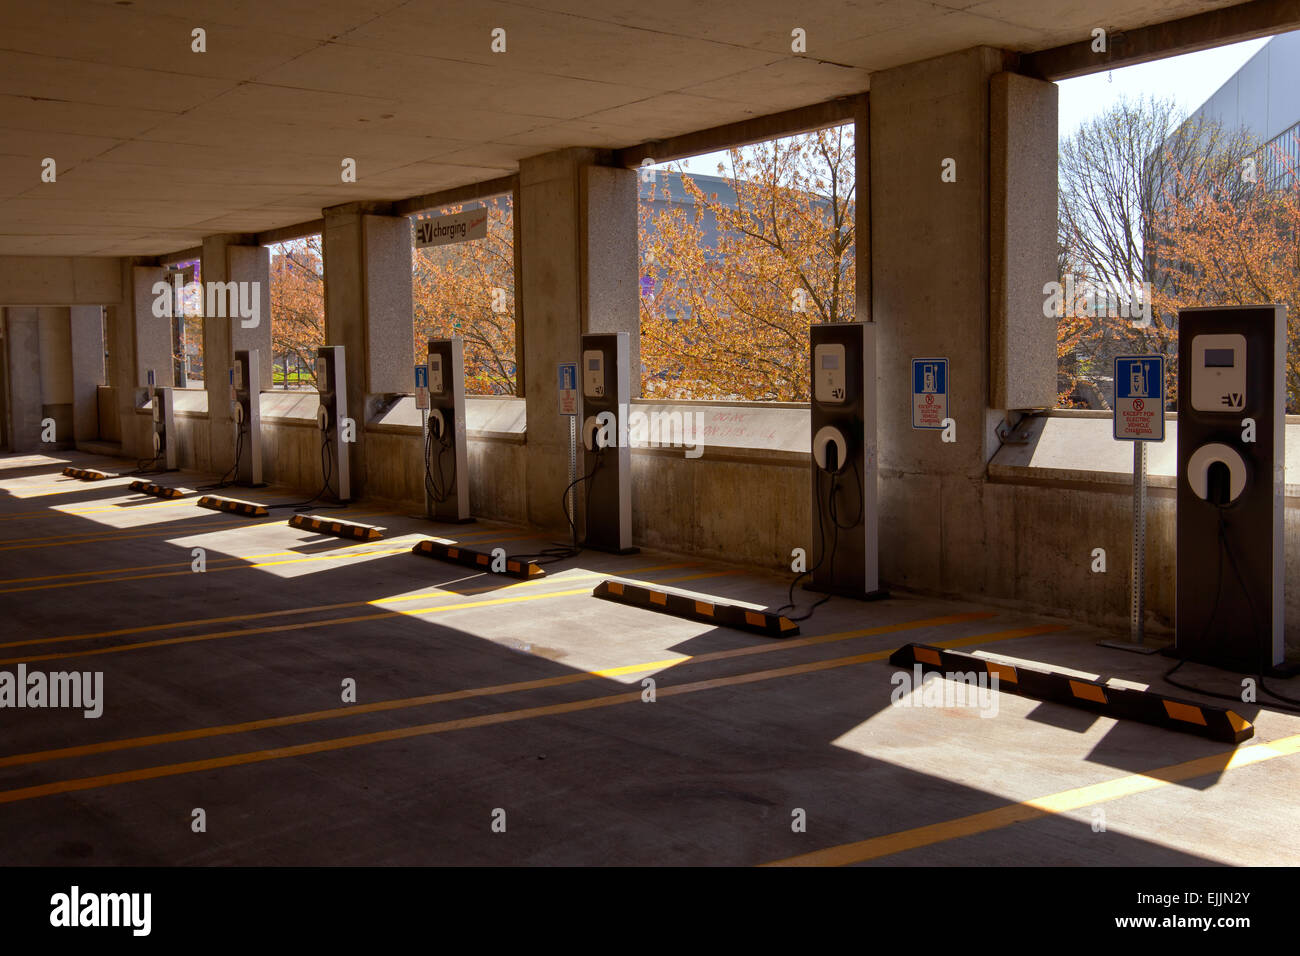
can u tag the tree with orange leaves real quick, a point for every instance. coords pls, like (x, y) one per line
(297, 309)
(1232, 237)
(728, 316)
(468, 289)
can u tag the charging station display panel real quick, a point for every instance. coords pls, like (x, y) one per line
(1231, 432)
(1218, 372)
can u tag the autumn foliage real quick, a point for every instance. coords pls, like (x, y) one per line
(297, 309)
(468, 289)
(1222, 244)
(730, 283)
(725, 311)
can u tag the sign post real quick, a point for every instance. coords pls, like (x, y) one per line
(567, 403)
(1139, 408)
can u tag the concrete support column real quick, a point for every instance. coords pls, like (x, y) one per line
(233, 272)
(86, 333)
(930, 298)
(23, 347)
(577, 229)
(368, 311)
(139, 341)
(56, 374)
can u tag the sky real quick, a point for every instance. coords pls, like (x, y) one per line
(1190, 80)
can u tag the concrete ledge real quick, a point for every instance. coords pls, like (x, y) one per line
(488, 418)
(749, 426)
(756, 456)
(1078, 448)
(287, 407)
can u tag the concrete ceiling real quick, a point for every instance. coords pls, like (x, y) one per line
(157, 146)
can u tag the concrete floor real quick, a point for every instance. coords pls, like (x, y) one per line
(480, 697)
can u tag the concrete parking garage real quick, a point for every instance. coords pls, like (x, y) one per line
(317, 701)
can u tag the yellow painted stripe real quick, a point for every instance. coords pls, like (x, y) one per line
(123, 534)
(887, 845)
(497, 689)
(146, 531)
(232, 563)
(306, 625)
(262, 615)
(464, 723)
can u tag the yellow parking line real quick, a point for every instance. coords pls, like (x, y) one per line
(295, 611)
(124, 534)
(496, 689)
(403, 733)
(1076, 799)
(59, 512)
(234, 565)
(305, 625)
(231, 563)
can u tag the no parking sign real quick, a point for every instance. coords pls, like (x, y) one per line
(1139, 398)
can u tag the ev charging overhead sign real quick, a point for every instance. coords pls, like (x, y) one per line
(929, 392)
(457, 227)
(1139, 398)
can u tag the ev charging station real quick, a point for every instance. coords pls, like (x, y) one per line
(446, 469)
(843, 428)
(606, 458)
(1231, 474)
(164, 426)
(331, 385)
(246, 408)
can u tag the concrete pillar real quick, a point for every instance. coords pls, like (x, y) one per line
(368, 311)
(86, 332)
(930, 298)
(228, 259)
(577, 226)
(56, 373)
(23, 346)
(1022, 247)
(152, 342)
(138, 341)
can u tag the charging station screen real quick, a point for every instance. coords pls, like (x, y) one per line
(593, 365)
(830, 361)
(1220, 358)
